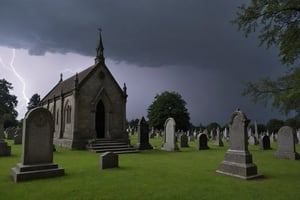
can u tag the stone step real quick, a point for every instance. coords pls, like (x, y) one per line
(107, 144)
(118, 151)
(109, 147)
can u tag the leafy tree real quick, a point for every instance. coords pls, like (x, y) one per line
(293, 122)
(213, 125)
(274, 125)
(260, 128)
(8, 102)
(165, 105)
(278, 22)
(34, 101)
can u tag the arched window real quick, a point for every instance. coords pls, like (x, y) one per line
(57, 116)
(67, 113)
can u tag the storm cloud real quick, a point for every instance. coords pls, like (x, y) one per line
(192, 39)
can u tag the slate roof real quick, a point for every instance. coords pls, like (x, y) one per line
(67, 85)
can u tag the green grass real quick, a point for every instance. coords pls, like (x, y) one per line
(154, 174)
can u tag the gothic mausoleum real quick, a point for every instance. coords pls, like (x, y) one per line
(89, 105)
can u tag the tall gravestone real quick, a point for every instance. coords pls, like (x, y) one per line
(37, 154)
(184, 140)
(202, 140)
(143, 135)
(18, 136)
(286, 144)
(169, 136)
(5, 149)
(264, 143)
(238, 160)
(219, 141)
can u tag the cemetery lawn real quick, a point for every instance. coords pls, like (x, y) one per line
(155, 174)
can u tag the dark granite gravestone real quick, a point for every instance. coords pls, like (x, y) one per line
(109, 160)
(202, 142)
(5, 149)
(143, 135)
(238, 160)
(286, 144)
(184, 140)
(37, 154)
(169, 136)
(264, 143)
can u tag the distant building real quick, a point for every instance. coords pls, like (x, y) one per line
(88, 105)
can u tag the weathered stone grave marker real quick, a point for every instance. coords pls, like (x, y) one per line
(143, 135)
(37, 154)
(202, 142)
(286, 144)
(5, 149)
(169, 136)
(238, 160)
(264, 143)
(109, 160)
(184, 140)
(18, 136)
(219, 141)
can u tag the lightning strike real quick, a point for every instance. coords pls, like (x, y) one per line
(21, 79)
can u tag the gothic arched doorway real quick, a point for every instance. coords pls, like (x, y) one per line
(100, 120)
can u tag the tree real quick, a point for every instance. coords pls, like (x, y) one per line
(279, 25)
(34, 101)
(213, 125)
(278, 21)
(8, 102)
(165, 105)
(274, 125)
(293, 122)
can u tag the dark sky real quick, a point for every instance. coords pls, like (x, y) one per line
(185, 46)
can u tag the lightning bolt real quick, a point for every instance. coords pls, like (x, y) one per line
(21, 79)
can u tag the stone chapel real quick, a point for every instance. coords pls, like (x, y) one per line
(89, 105)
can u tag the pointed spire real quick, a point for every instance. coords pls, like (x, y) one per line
(99, 50)
(76, 81)
(61, 77)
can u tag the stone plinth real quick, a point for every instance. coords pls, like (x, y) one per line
(28, 172)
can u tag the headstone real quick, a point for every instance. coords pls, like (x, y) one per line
(286, 144)
(169, 136)
(264, 143)
(298, 136)
(238, 160)
(202, 142)
(206, 133)
(219, 141)
(10, 133)
(109, 160)
(191, 138)
(255, 129)
(225, 134)
(37, 154)
(5, 149)
(184, 140)
(143, 136)
(252, 140)
(18, 136)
